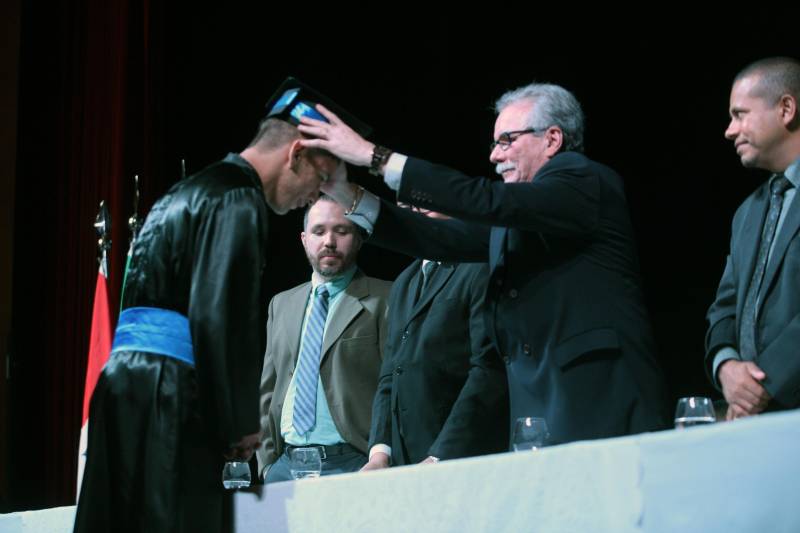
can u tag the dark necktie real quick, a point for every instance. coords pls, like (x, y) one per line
(305, 399)
(428, 269)
(747, 344)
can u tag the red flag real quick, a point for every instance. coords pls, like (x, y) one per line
(99, 350)
(100, 343)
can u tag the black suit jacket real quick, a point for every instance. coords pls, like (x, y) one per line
(563, 306)
(778, 327)
(442, 389)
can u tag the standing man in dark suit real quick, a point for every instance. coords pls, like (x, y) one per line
(564, 304)
(754, 323)
(323, 398)
(442, 391)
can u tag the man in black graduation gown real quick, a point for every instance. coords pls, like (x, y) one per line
(180, 392)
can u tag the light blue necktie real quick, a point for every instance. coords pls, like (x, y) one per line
(307, 372)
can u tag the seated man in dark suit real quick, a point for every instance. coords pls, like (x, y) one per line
(442, 391)
(754, 323)
(324, 352)
(564, 306)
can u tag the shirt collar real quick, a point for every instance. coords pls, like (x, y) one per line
(337, 284)
(792, 173)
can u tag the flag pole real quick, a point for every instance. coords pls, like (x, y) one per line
(134, 224)
(102, 226)
(101, 334)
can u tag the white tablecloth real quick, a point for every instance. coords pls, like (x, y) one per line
(733, 477)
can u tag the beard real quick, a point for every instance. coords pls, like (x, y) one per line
(330, 270)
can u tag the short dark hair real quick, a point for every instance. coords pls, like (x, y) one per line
(360, 232)
(776, 76)
(273, 133)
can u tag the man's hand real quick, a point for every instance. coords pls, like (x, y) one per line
(741, 385)
(243, 450)
(337, 138)
(734, 412)
(430, 460)
(378, 461)
(338, 188)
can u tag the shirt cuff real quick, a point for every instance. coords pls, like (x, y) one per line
(724, 354)
(366, 212)
(381, 448)
(393, 171)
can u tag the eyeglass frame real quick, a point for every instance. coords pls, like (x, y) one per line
(505, 145)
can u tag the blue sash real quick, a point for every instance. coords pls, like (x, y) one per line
(154, 330)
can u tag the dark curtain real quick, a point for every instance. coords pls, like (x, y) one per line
(109, 90)
(88, 117)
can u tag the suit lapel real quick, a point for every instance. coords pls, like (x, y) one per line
(403, 307)
(292, 320)
(440, 277)
(347, 308)
(790, 226)
(750, 239)
(497, 243)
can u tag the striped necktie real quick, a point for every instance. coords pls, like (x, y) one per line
(307, 372)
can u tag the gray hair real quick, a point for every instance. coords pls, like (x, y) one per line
(777, 76)
(554, 106)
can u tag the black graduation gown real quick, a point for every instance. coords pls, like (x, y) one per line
(157, 426)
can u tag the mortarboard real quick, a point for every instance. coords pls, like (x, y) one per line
(295, 99)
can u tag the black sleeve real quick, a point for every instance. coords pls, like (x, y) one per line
(722, 317)
(478, 419)
(226, 312)
(419, 236)
(563, 199)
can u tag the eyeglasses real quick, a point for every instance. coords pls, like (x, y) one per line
(506, 138)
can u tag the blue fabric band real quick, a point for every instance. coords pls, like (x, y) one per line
(154, 330)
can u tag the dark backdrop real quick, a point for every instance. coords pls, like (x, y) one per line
(108, 90)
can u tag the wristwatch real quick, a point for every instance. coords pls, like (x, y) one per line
(380, 155)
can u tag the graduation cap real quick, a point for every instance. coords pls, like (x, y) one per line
(295, 99)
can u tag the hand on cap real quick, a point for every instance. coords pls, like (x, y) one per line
(338, 188)
(336, 137)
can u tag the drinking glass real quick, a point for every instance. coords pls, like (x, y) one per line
(236, 475)
(305, 462)
(694, 411)
(530, 433)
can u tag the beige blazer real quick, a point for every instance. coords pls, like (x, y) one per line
(352, 351)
